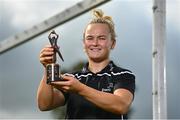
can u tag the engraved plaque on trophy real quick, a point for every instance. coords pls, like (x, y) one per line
(52, 70)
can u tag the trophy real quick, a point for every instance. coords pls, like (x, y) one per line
(52, 70)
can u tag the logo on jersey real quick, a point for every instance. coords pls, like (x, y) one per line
(108, 89)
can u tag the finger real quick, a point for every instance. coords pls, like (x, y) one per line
(48, 49)
(48, 45)
(65, 88)
(57, 87)
(46, 53)
(60, 87)
(65, 91)
(60, 83)
(46, 60)
(67, 76)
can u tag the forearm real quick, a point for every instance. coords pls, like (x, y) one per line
(48, 97)
(117, 103)
(107, 101)
(44, 94)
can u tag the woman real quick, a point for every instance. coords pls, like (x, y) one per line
(101, 89)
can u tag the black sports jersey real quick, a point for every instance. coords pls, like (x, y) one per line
(107, 80)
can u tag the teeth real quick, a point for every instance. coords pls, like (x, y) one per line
(95, 49)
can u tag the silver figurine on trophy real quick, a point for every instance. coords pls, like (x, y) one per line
(52, 70)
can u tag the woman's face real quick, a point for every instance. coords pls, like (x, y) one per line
(97, 41)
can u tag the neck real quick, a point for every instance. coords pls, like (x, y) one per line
(97, 66)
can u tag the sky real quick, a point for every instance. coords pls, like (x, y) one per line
(20, 70)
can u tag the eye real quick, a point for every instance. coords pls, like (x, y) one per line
(102, 38)
(89, 38)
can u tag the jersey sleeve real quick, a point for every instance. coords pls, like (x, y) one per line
(124, 79)
(66, 96)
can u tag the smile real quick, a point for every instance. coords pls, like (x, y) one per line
(95, 49)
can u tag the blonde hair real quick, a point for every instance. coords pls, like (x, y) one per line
(98, 17)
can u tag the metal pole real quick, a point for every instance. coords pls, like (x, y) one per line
(159, 60)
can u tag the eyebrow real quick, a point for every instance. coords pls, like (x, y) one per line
(102, 36)
(97, 36)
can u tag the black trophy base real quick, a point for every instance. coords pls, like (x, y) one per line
(52, 71)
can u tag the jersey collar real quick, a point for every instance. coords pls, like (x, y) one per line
(109, 67)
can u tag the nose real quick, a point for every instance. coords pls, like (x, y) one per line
(95, 42)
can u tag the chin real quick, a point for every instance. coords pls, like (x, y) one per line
(96, 59)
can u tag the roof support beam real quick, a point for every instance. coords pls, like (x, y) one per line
(50, 23)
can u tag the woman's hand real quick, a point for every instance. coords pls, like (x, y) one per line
(46, 55)
(69, 84)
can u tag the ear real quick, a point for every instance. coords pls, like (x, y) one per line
(84, 46)
(113, 44)
(83, 42)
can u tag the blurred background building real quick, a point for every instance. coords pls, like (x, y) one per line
(21, 71)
